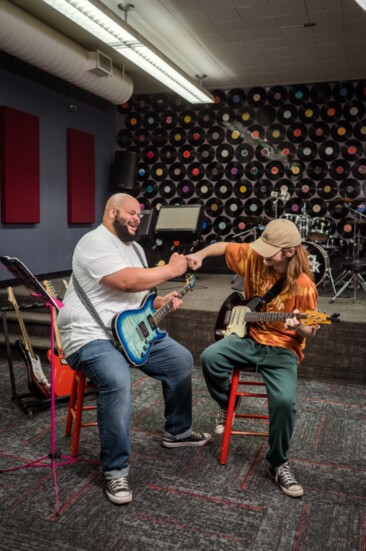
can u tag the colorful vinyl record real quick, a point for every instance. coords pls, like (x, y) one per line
(284, 186)
(151, 120)
(293, 209)
(219, 99)
(222, 225)
(274, 170)
(327, 189)
(241, 224)
(354, 110)
(351, 150)
(243, 189)
(214, 207)
(359, 169)
(265, 152)
(341, 131)
(204, 189)
(277, 95)
(309, 112)
(133, 120)
(329, 150)
(244, 153)
(150, 154)
(125, 107)
(256, 96)
(216, 135)
(295, 170)
(143, 172)
(206, 225)
(167, 189)
(186, 154)
(235, 98)
(177, 202)
(159, 172)
(317, 169)
(359, 130)
(177, 137)
(177, 172)
(214, 171)
(187, 118)
(286, 152)
(144, 202)
(262, 189)
(273, 210)
(168, 154)
(319, 131)
(169, 120)
(177, 103)
(287, 114)
(159, 137)
(205, 153)
(246, 116)
(157, 203)
(141, 103)
(254, 170)
(361, 90)
(225, 116)
(305, 188)
(337, 209)
(307, 151)
(223, 189)
(321, 93)
(350, 188)
(234, 136)
(212, 238)
(298, 94)
(195, 171)
(124, 138)
(297, 132)
(343, 91)
(224, 153)
(234, 171)
(276, 133)
(318, 207)
(159, 102)
(142, 138)
(253, 207)
(196, 136)
(206, 118)
(255, 134)
(266, 115)
(345, 227)
(331, 112)
(339, 169)
(185, 189)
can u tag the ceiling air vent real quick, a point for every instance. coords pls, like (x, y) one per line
(100, 64)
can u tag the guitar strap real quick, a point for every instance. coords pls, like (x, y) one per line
(273, 291)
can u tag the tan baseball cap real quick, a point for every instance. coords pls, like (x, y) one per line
(278, 234)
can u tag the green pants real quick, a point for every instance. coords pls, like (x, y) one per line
(278, 368)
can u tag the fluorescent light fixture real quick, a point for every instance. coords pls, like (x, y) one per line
(129, 44)
(361, 3)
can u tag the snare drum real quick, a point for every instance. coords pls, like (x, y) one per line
(320, 229)
(301, 221)
(318, 259)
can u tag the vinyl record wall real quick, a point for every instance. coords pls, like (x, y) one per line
(306, 142)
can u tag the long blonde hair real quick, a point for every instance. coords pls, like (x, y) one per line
(298, 264)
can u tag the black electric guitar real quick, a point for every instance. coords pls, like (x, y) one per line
(38, 384)
(236, 312)
(137, 330)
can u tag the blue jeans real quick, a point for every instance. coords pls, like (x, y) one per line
(107, 368)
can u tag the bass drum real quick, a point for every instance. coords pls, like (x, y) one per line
(318, 259)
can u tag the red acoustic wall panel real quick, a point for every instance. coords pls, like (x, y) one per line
(20, 167)
(80, 177)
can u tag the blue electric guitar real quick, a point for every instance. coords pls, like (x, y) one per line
(137, 330)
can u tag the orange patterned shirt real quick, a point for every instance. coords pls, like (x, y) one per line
(245, 262)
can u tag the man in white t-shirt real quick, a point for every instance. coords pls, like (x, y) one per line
(109, 267)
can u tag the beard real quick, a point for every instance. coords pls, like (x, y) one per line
(122, 232)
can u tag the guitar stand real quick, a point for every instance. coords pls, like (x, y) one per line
(54, 458)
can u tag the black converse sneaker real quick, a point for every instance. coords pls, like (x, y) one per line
(221, 418)
(284, 478)
(195, 439)
(118, 491)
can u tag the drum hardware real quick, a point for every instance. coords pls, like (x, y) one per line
(302, 221)
(353, 268)
(277, 195)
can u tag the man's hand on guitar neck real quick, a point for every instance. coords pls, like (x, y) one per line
(174, 297)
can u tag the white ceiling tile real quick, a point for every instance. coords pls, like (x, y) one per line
(289, 8)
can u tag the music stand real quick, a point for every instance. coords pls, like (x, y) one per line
(24, 276)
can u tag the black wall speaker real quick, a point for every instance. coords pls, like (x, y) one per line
(181, 223)
(147, 225)
(123, 172)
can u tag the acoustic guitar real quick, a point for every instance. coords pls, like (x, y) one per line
(63, 374)
(236, 312)
(38, 384)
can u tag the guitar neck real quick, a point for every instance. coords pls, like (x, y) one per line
(166, 308)
(23, 329)
(272, 316)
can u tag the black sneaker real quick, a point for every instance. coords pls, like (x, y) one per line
(284, 478)
(195, 439)
(118, 491)
(221, 418)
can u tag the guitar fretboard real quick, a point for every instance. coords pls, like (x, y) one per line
(272, 316)
(164, 310)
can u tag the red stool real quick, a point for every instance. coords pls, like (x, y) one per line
(76, 409)
(235, 393)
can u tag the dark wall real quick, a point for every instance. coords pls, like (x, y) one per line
(48, 246)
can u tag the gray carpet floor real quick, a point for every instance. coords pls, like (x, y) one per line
(183, 498)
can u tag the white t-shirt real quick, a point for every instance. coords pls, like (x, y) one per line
(98, 253)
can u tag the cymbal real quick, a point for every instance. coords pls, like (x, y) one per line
(346, 200)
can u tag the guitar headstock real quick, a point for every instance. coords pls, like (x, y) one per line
(11, 297)
(190, 281)
(319, 318)
(50, 288)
